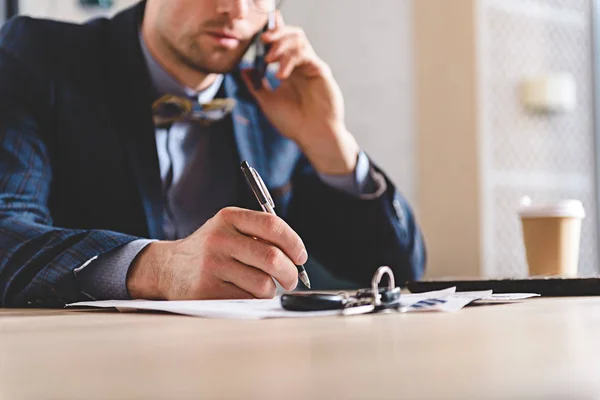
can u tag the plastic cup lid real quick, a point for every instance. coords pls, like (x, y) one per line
(563, 208)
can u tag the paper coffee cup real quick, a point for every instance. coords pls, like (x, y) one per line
(552, 234)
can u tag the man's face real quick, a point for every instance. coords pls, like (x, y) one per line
(210, 36)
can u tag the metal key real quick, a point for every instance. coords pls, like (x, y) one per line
(375, 299)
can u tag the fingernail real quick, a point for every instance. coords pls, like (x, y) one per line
(303, 257)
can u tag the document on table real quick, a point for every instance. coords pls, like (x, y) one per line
(225, 309)
(441, 301)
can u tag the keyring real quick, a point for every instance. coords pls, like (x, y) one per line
(375, 299)
(377, 280)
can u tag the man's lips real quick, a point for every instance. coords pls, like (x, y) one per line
(225, 39)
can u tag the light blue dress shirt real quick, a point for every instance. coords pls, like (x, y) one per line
(201, 162)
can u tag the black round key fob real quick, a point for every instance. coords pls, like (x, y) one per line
(312, 302)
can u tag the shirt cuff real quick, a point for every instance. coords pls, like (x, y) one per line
(359, 183)
(105, 277)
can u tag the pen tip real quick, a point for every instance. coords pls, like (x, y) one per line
(304, 279)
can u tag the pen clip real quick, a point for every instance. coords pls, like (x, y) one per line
(258, 186)
(263, 187)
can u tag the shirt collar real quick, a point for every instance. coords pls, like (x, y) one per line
(165, 83)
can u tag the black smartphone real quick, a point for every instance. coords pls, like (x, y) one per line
(261, 50)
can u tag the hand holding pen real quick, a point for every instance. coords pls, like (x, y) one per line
(266, 203)
(237, 254)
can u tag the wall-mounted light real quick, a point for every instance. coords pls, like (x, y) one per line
(550, 93)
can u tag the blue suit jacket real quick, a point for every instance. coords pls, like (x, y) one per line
(79, 171)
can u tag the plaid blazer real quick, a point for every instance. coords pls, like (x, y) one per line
(79, 171)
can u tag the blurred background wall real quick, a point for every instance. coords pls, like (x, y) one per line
(433, 93)
(545, 157)
(369, 46)
(480, 148)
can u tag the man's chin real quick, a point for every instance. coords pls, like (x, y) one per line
(216, 60)
(211, 68)
(221, 69)
(221, 66)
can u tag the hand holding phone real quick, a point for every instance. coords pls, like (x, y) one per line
(306, 104)
(262, 49)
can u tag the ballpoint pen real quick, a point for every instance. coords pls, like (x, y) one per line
(266, 203)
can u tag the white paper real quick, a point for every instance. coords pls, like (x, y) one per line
(227, 309)
(501, 298)
(447, 300)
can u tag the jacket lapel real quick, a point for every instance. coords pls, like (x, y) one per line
(131, 98)
(248, 135)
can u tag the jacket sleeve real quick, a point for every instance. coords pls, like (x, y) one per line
(37, 260)
(353, 236)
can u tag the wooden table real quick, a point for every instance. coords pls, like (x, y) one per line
(541, 349)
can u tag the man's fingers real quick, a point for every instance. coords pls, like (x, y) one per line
(278, 34)
(278, 50)
(266, 257)
(287, 65)
(269, 228)
(249, 279)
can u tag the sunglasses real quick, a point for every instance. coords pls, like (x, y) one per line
(170, 109)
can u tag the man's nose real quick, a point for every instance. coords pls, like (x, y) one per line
(235, 9)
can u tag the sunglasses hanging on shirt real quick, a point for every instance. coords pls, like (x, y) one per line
(170, 109)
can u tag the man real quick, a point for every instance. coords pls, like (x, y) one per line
(98, 200)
